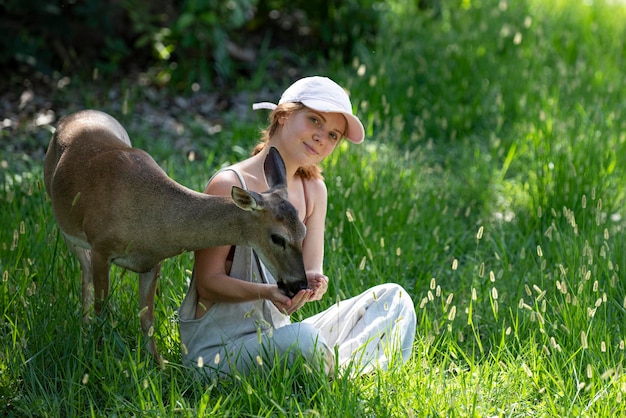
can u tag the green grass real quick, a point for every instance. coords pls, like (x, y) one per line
(491, 186)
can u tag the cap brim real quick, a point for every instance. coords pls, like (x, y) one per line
(355, 132)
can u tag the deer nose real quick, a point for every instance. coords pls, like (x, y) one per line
(291, 289)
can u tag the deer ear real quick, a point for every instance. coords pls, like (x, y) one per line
(275, 171)
(245, 199)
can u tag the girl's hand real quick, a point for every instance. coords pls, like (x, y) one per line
(288, 306)
(318, 283)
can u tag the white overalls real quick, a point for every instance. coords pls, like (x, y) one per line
(369, 330)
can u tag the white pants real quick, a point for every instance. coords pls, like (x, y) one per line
(370, 330)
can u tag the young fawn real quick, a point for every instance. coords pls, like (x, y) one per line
(114, 204)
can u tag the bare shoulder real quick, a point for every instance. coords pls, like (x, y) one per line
(316, 201)
(316, 191)
(222, 183)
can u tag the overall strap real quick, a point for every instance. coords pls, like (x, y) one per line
(232, 251)
(234, 170)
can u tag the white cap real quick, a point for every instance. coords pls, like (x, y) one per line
(324, 95)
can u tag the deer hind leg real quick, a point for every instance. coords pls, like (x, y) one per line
(147, 289)
(84, 258)
(100, 270)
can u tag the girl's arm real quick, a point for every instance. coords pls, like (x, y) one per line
(313, 246)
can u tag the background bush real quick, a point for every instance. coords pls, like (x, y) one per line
(183, 44)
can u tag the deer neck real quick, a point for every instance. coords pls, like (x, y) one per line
(207, 221)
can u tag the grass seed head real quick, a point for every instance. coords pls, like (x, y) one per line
(452, 313)
(142, 312)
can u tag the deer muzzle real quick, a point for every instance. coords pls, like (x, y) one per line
(290, 289)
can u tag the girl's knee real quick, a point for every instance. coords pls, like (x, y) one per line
(391, 291)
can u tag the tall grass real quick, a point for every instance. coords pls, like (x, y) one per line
(491, 186)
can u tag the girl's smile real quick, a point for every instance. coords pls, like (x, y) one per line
(310, 149)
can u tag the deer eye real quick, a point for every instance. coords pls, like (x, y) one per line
(278, 240)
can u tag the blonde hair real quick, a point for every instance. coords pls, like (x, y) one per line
(309, 172)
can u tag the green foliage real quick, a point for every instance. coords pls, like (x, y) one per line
(196, 44)
(489, 186)
(330, 28)
(185, 45)
(50, 37)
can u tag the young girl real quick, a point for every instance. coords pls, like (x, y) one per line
(234, 318)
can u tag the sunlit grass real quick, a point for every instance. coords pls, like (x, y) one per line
(491, 186)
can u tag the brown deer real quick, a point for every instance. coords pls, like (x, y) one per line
(114, 204)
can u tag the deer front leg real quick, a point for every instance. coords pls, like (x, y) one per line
(147, 289)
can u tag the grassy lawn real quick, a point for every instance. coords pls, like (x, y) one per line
(491, 186)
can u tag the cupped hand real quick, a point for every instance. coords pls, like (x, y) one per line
(289, 306)
(318, 283)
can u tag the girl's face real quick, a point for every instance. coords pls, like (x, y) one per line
(309, 135)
